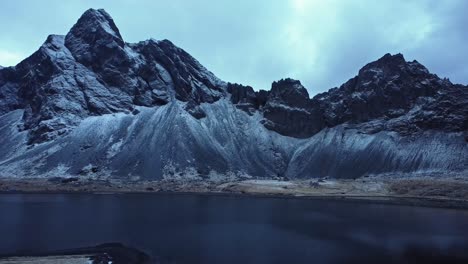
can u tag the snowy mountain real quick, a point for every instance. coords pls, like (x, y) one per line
(90, 104)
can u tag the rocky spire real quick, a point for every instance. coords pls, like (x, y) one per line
(95, 35)
(289, 92)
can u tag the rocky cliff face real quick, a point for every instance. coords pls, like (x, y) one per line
(400, 96)
(92, 71)
(89, 103)
(388, 94)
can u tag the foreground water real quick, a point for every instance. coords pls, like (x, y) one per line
(222, 229)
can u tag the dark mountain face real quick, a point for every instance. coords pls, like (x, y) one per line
(96, 42)
(92, 71)
(398, 95)
(187, 118)
(290, 112)
(393, 89)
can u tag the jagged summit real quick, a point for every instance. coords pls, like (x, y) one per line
(396, 60)
(90, 104)
(92, 71)
(393, 64)
(290, 91)
(95, 21)
(388, 58)
(387, 88)
(95, 41)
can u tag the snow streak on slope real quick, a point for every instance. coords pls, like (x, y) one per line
(340, 152)
(166, 141)
(158, 142)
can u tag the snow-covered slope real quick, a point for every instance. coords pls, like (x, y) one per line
(90, 104)
(156, 141)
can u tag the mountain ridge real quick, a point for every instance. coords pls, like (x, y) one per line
(90, 104)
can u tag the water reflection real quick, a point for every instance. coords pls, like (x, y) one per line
(219, 229)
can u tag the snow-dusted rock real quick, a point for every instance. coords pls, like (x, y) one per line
(289, 111)
(90, 104)
(92, 71)
(399, 93)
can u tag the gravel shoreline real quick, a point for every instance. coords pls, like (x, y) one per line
(431, 192)
(105, 253)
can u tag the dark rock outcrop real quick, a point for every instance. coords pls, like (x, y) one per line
(289, 111)
(400, 94)
(388, 94)
(9, 99)
(245, 98)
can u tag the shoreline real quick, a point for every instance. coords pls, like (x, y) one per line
(248, 188)
(385, 200)
(103, 253)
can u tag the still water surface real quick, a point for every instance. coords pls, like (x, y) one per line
(223, 229)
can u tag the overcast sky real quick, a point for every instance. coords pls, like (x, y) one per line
(254, 42)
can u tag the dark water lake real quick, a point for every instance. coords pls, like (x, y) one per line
(183, 228)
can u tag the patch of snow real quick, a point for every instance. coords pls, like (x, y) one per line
(272, 183)
(328, 183)
(376, 71)
(394, 77)
(356, 95)
(104, 23)
(114, 149)
(172, 172)
(290, 108)
(61, 170)
(131, 53)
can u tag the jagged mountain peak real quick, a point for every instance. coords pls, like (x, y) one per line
(92, 71)
(392, 88)
(389, 88)
(388, 57)
(398, 62)
(392, 72)
(289, 89)
(95, 38)
(94, 20)
(392, 66)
